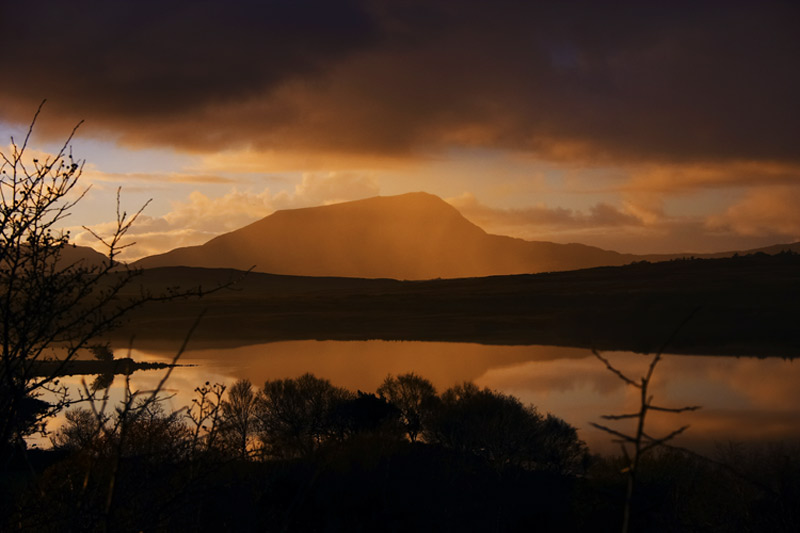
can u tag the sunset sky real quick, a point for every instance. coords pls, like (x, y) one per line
(633, 126)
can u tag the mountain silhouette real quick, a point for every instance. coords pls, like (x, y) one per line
(410, 236)
(81, 256)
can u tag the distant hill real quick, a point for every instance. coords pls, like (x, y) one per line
(410, 236)
(769, 250)
(82, 256)
(69, 255)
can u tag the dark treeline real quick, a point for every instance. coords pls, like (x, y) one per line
(304, 455)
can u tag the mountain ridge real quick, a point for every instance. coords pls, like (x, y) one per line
(410, 236)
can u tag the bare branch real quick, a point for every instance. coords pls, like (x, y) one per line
(646, 404)
(675, 410)
(618, 373)
(622, 436)
(177, 356)
(33, 123)
(658, 442)
(621, 417)
(677, 330)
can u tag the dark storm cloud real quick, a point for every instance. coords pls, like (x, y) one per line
(158, 60)
(677, 81)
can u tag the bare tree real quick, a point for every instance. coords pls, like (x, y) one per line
(205, 415)
(239, 417)
(55, 300)
(640, 440)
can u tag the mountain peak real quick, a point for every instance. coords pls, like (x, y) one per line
(407, 203)
(401, 217)
(419, 199)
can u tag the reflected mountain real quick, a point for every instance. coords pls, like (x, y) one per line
(363, 364)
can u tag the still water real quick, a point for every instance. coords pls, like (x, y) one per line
(743, 399)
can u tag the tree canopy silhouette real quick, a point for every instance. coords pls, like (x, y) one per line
(294, 415)
(416, 398)
(501, 430)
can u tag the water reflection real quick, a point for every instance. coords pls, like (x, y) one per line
(364, 364)
(743, 399)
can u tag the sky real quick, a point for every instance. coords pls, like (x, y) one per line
(634, 126)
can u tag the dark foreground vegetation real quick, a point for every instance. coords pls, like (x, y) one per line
(303, 455)
(744, 305)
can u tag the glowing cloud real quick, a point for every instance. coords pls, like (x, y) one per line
(200, 218)
(763, 211)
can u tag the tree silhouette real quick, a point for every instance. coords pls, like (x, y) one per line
(640, 440)
(55, 300)
(49, 296)
(416, 398)
(239, 417)
(366, 413)
(294, 415)
(501, 430)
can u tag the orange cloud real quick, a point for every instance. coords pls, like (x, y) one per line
(687, 177)
(644, 225)
(92, 175)
(763, 211)
(541, 217)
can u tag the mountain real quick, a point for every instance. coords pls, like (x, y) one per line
(410, 236)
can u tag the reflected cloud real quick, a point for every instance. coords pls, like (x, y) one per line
(365, 364)
(742, 399)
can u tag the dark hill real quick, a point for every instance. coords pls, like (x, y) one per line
(746, 305)
(81, 256)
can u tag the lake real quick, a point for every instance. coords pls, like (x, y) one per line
(743, 399)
